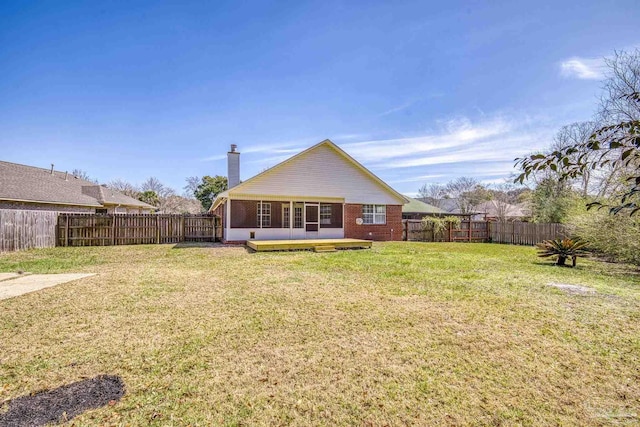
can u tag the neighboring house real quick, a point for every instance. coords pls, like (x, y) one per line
(32, 188)
(451, 206)
(417, 209)
(496, 210)
(319, 193)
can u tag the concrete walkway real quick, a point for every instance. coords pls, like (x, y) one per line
(13, 286)
(8, 276)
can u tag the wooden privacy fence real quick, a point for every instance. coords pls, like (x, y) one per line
(23, 229)
(517, 233)
(525, 233)
(468, 231)
(107, 230)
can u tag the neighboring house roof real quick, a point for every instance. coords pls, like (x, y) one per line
(319, 169)
(449, 205)
(420, 207)
(496, 208)
(24, 183)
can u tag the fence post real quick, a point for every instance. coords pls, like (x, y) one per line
(113, 230)
(469, 232)
(157, 229)
(66, 230)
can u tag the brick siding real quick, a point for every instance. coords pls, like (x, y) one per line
(380, 232)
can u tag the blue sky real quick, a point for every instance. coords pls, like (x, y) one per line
(416, 91)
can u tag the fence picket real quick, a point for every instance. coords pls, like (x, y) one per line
(515, 233)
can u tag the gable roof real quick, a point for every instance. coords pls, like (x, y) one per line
(418, 206)
(238, 189)
(498, 208)
(24, 183)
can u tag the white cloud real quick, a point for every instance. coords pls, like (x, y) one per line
(396, 109)
(419, 178)
(583, 68)
(214, 158)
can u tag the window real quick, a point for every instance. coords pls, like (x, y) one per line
(297, 216)
(264, 214)
(101, 211)
(285, 217)
(325, 214)
(374, 214)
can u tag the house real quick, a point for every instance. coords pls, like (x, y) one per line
(33, 188)
(496, 210)
(417, 209)
(319, 193)
(492, 210)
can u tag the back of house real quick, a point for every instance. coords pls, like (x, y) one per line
(320, 193)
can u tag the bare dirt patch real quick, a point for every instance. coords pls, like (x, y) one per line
(63, 403)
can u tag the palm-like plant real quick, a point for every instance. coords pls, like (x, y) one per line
(563, 249)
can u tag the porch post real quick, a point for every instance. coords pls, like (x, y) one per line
(226, 223)
(291, 216)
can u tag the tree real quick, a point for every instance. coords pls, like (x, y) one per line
(209, 188)
(79, 173)
(467, 192)
(180, 205)
(615, 144)
(154, 184)
(192, 185)
(433, 194)
(150, 197)
(551, 201)
(124, 187)
(578, 134)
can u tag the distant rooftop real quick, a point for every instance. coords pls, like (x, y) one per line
(38, 185)
(420, 207)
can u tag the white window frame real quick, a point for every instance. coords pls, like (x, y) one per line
(286, 216)
(298, 216)
(374, 214)
(264, 214)
(325, 217)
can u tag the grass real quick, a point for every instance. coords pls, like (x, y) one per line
(404, 333)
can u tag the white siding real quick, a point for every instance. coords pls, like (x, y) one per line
(236, 234)
(320, 172)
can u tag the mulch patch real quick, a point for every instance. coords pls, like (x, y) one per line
(63, 403)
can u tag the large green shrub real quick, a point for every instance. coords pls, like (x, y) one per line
(617, 237)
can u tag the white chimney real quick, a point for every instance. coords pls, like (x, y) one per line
(233, 166)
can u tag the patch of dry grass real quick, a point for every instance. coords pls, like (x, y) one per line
(405, 333)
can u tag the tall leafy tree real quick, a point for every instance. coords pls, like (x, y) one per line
(209, 188)
(150, 197)
(615, 144)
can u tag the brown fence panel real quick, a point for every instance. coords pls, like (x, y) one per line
(515, 233)
(468, 231)
(199, 228)
(103, 230)
(525, 233)
(27, 229)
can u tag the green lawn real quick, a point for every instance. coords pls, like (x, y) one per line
(402, 334)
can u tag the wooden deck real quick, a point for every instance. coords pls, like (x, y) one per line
(310, 244)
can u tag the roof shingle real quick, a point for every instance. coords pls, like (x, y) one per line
(32, 184)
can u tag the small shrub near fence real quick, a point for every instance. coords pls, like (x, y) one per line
(108, 230)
